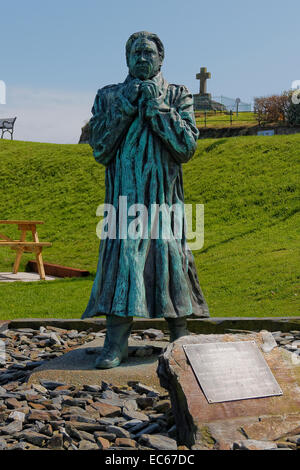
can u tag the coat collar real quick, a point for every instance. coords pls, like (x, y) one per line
(157, 79)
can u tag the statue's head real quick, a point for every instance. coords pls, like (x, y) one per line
(144, 55)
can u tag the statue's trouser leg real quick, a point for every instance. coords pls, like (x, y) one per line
(177, 327)
(115, 348)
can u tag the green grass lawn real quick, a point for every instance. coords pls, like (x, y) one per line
(249, 265)
(220, 120)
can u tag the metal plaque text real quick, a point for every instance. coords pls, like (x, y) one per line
(231, 371)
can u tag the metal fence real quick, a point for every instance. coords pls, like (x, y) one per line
(205, 118)
(231, 104)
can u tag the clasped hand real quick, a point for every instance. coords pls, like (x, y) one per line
(136, 89)
(149, 90)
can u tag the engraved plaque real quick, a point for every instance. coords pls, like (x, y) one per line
(231, 371)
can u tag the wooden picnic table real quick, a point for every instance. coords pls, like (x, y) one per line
(25, 246)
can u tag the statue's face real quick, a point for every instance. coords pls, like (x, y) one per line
(144, 61)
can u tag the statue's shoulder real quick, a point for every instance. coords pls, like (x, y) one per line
(179, 94)
(109, 89)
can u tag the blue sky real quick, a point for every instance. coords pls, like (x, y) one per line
(58, 53)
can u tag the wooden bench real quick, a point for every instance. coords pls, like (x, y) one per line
(23, 246)
(7, 125)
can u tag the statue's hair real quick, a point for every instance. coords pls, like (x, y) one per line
(151, 37)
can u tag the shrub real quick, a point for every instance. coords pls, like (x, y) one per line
(272, 109)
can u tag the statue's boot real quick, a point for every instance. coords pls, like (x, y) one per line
(177, 327)
(115, 348)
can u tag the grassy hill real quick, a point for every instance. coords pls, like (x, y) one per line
(249, 265)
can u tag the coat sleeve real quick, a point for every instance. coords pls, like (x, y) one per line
(112, 116)
(175, 124)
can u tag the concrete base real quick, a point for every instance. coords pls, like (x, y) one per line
(212, 325)
(77, 367)
(23, 277)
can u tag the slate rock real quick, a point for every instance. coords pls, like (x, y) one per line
(61, 393)
(74, 402)
(119, 432)
(46, 429)
(106, 435)
(162, 406)
(145, 402)
(150, 429)
(81, 419)
(131, 404)
(146, 351)
(33, 364)
(153, 333)
(57, 424)
(51, 384)
(20, 446)
(88, 427)
(39, 388)
(133, 422)
(72, 334)
(29, 395)
(134, 415)
(57, 402)
(3, 444)
(36, 406)
(85, 436)
(88, 445)
(109, 421)
(12, 403)
(252, 444)
(141, 388)
(92, 388)
(158, 442)
(107, 410)
(17, 415)
(71, 410)
(73, 432)
(102, 443)
(34, 438)
(125, 442)
(269, 342)
(156, 416)
(6, 395)
(55, 442)
(286, 445)
(12, 428)
(40, 415)
(138, 427)
(295, 439)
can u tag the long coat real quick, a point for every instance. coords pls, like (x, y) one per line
(145, 277)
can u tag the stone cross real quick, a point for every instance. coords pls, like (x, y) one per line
(203, 76)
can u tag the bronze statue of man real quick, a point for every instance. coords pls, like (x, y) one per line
(142, 130)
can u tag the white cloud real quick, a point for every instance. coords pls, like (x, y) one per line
(54, 116)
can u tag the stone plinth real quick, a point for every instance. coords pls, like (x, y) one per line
(77, 366)
(205, 103)
(209, 425)
(212, 325)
